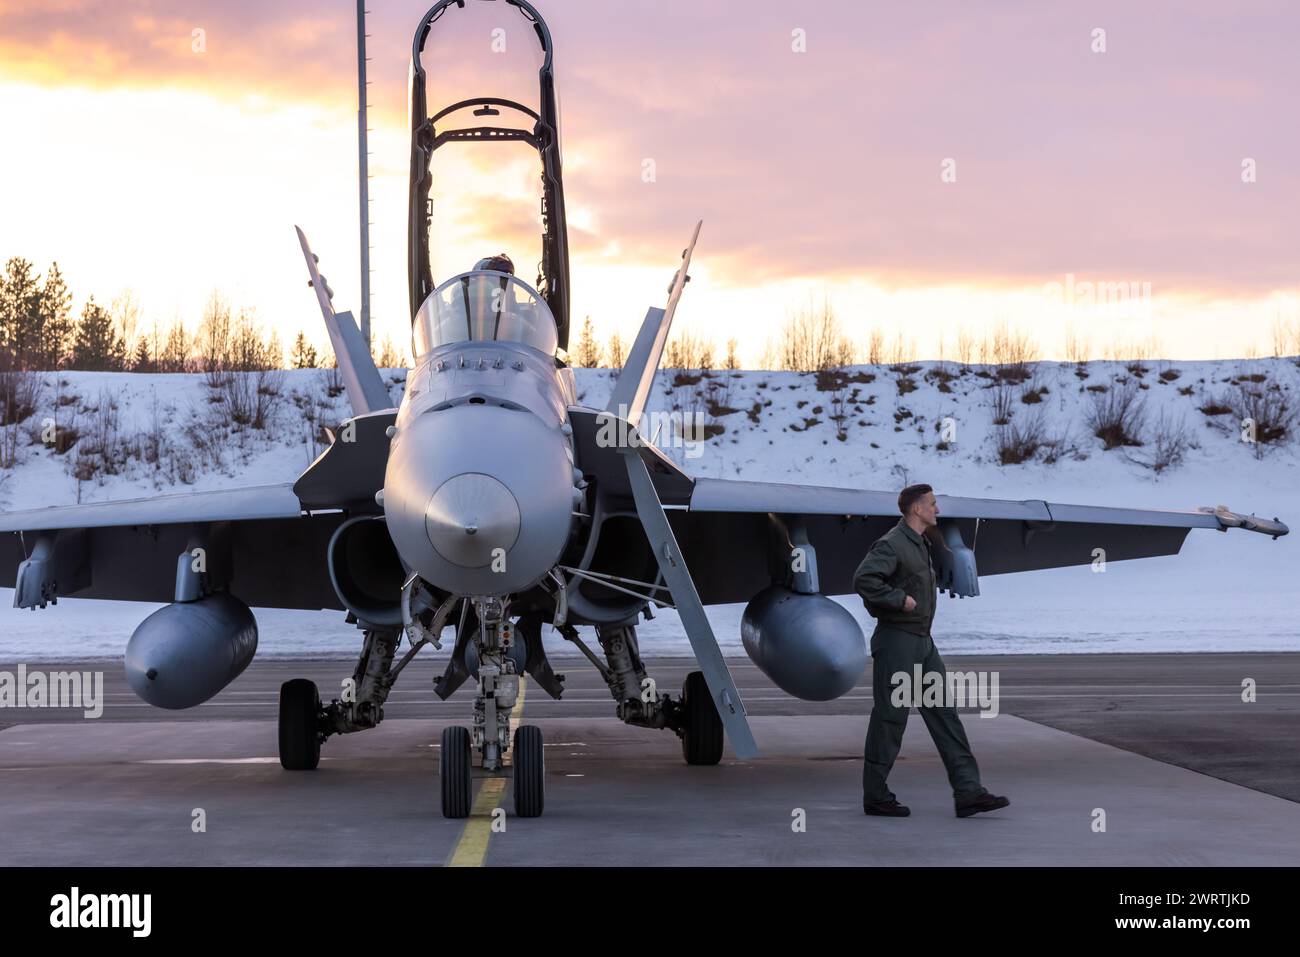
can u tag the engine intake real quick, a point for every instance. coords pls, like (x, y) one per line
(366, 572)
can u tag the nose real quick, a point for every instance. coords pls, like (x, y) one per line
(470, 518)
(479, 499)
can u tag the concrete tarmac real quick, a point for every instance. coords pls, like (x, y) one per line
(1115, 759)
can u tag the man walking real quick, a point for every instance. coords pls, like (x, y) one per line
(897, 584)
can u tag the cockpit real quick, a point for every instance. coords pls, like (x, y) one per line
(487, 306)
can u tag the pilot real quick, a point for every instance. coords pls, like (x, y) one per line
(498, 263)
(486, 297)
(897, 583)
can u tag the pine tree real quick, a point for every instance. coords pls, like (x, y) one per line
(56, 320)
(141, 361)
(19, 312)
(96, 347)
(588, 356)
(304, 354)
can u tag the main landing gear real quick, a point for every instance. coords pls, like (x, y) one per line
(494, 651)
(300, 736)
(694, 717)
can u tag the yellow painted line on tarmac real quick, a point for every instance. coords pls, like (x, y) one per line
(471, 849)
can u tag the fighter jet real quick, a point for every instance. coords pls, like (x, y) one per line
(491, 502)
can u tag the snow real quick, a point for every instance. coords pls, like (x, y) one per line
(1225, 592)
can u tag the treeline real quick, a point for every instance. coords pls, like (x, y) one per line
(39, 332)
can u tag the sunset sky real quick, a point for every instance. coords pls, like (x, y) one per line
(142, 158)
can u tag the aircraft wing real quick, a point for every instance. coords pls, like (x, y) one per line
(725, 533)
(261, 542)
(266, 501)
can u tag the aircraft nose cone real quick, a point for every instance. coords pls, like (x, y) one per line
(469, 517)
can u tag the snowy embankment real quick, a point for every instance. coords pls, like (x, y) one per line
(140, 435)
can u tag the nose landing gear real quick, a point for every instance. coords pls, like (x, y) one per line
(500, 690)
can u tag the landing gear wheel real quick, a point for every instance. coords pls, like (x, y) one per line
(701, 725)
(299, 731)
(530, 771)
(454, 772)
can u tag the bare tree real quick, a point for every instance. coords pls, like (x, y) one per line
(812, 340)
(1286, 337)
(176, 354)
(388, 357)
(214, 338)
(126, 312)
(688, 350)
(876, 347)
(965, 346)
(1077, 348)
(902, 351)
(733, 359)
(1012, 348)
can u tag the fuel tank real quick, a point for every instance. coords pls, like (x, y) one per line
(810, 646)
(185, 652)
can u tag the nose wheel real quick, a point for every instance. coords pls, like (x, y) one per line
(456, 772)
(530, 771)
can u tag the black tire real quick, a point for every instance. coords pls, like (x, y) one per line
(454, 772)
(701, 725)
(530, 771)
(299, 725)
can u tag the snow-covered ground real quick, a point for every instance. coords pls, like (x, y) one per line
(1235, 591)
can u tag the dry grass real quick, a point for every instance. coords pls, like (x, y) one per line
(1117, 416)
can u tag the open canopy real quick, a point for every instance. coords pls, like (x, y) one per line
(455, 118)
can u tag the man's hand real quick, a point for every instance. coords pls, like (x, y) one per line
(909, 604)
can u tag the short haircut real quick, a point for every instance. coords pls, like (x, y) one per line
(910, 496)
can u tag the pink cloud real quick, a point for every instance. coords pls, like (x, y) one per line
(1118, 165)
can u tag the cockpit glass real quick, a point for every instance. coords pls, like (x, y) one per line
(484, 306)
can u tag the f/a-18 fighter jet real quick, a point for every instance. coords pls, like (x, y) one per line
(492, 503)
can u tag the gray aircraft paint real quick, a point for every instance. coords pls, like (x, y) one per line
(185, 652)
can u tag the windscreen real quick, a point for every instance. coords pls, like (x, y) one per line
(484, 306)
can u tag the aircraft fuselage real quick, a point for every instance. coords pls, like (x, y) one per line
(480, 487)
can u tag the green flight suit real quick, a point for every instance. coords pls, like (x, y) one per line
(899, 564)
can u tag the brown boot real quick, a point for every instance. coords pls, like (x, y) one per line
(980, 802)
(890, 808)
